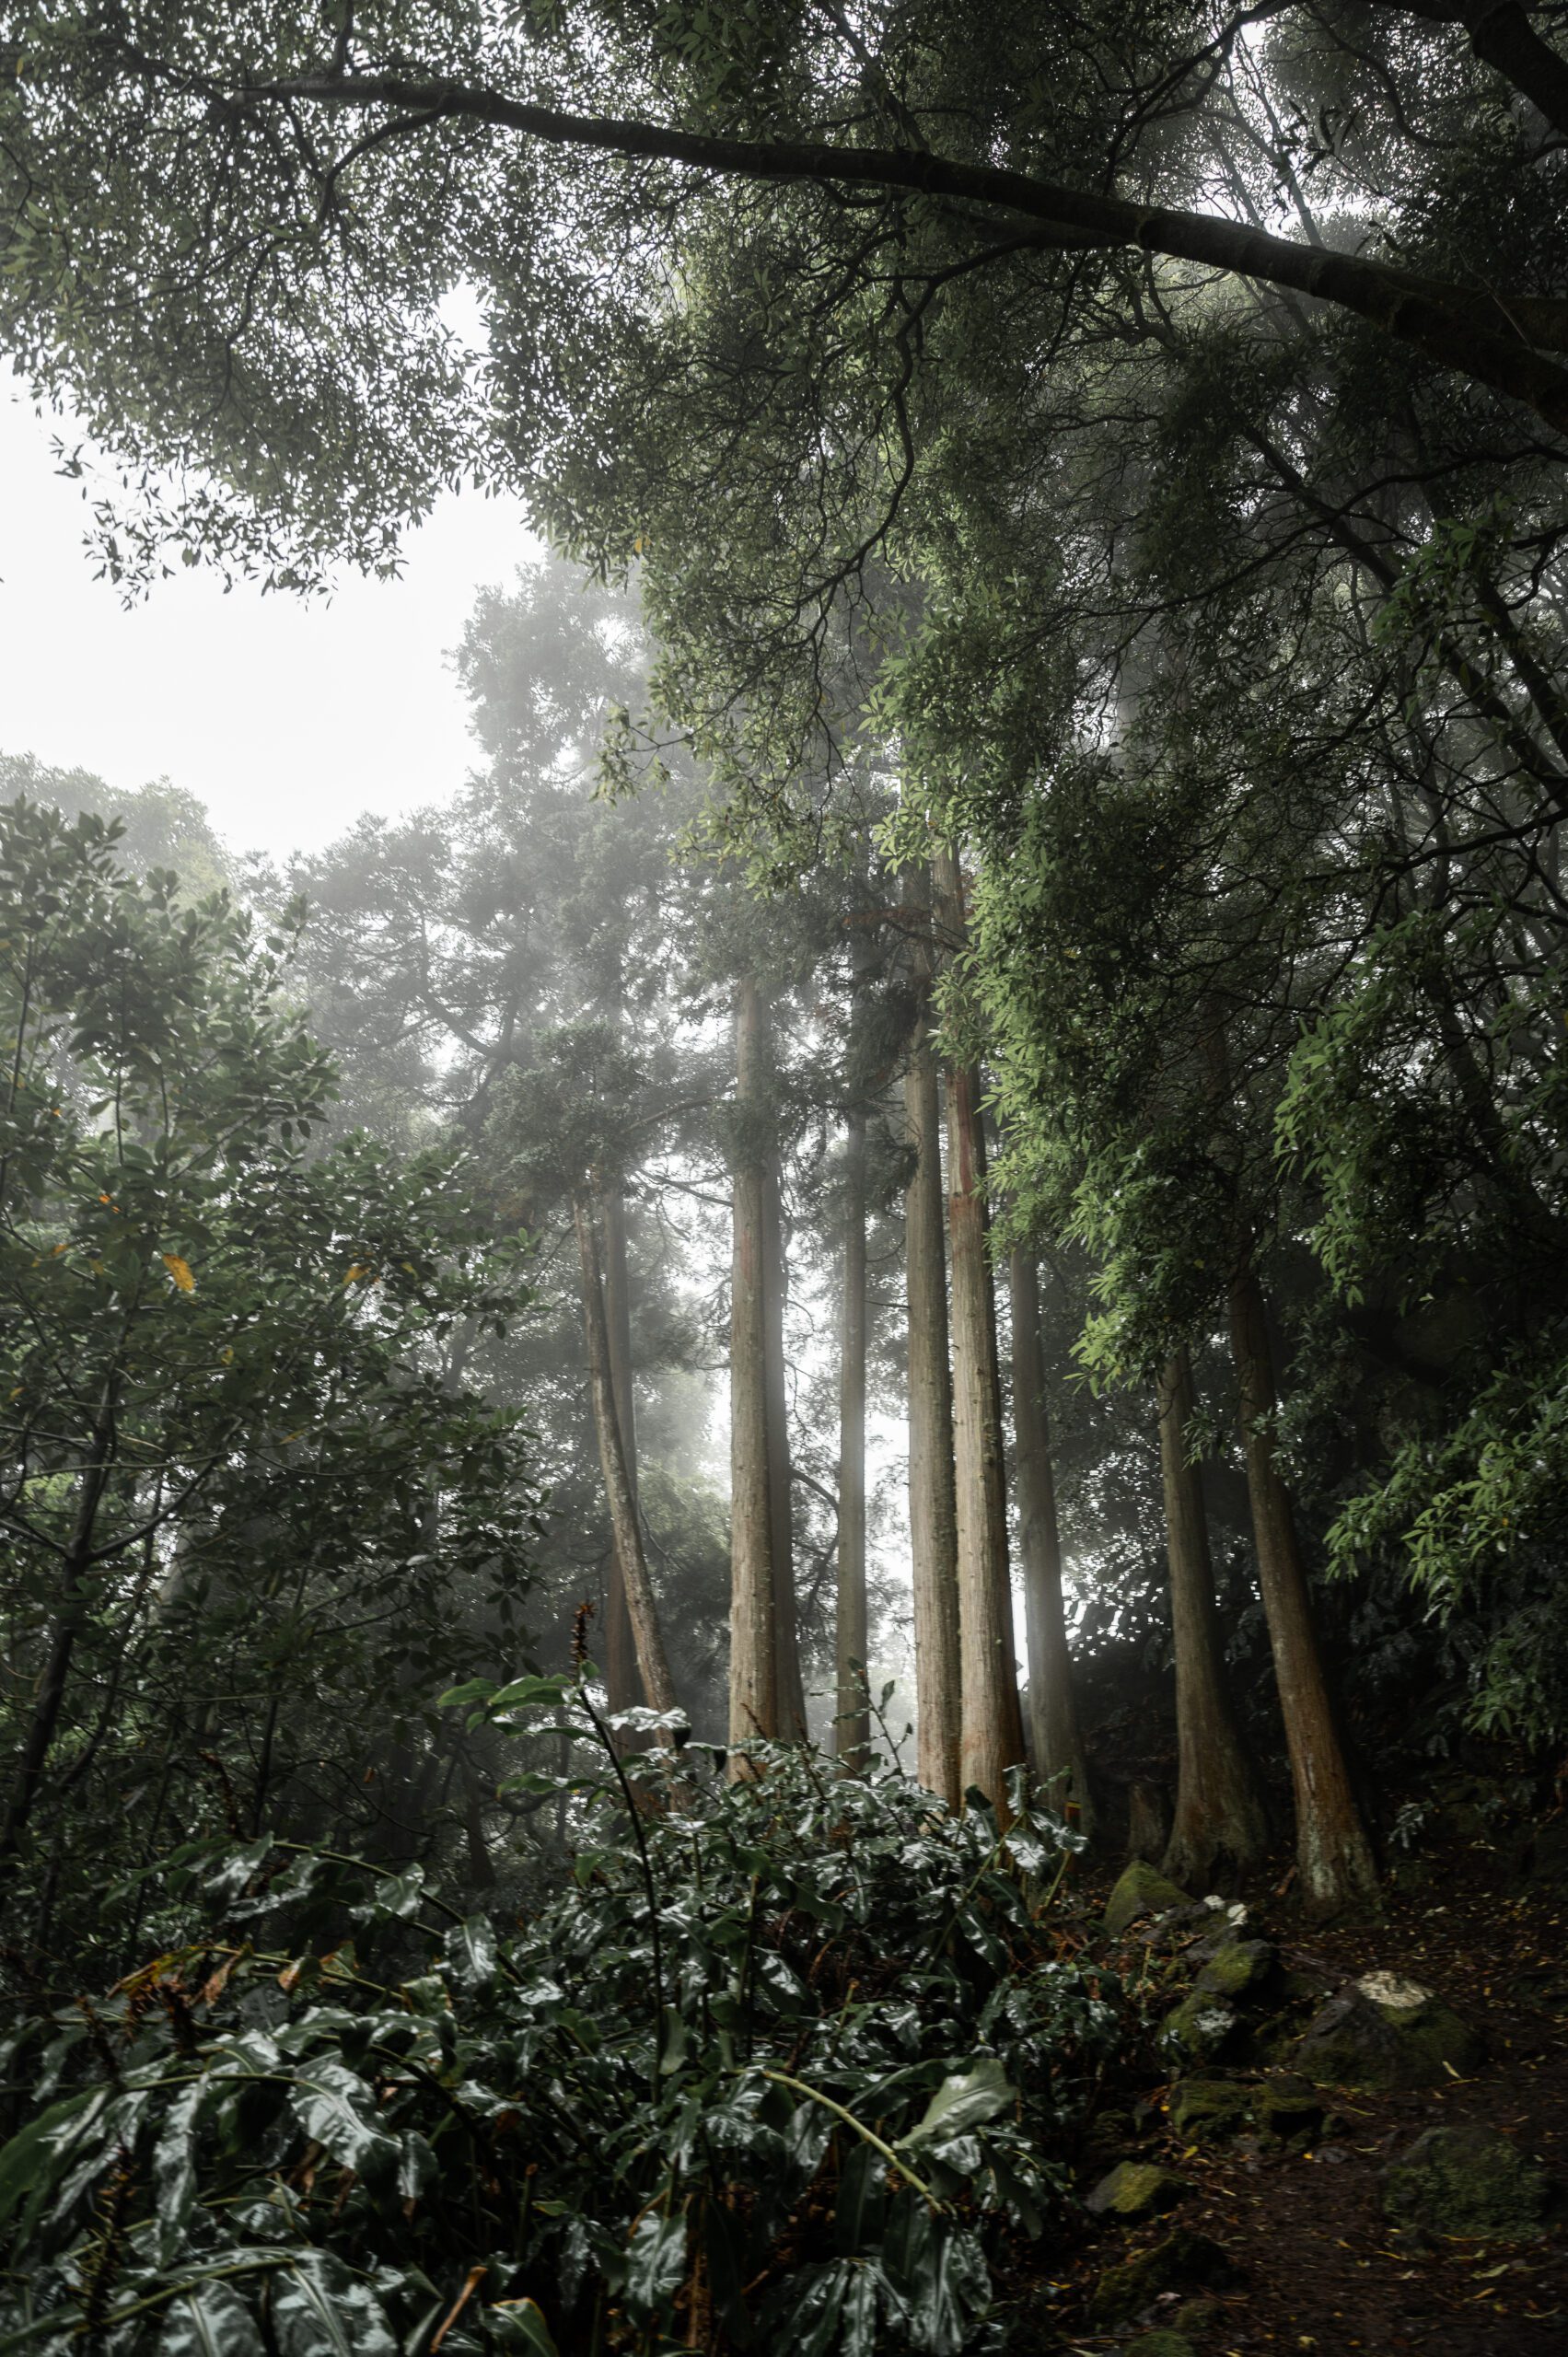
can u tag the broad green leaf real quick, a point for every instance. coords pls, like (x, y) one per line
(936, 2273)
(29, 2162)
(174, 2166)
(332, 2104)
(655, 2262)
(964, 2101)
(320, 2310)
(518, 2324)
(862, 2200)
(210, 2320)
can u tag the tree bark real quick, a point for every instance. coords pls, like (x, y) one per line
(990, 1737)
(1055, 1742)
(1334, 1852)
(933, 1539)
(753, 1678)
(620, 1647)
(790, 1689)
(657, 1683)
(851, 1715)
(70, 1615)
(1219, 1814)
(1489, 338)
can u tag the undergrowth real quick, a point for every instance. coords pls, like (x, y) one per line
(782, 2066)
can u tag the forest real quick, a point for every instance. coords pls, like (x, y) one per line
(783, 1502)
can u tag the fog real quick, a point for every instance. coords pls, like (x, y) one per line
(286, 719)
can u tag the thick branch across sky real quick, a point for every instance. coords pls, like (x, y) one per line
(1493, 339)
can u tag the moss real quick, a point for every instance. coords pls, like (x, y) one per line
(1201, 2026)
(1385, 2033)
(1161, 2344)
(1467, 2181)
(1290, 2108)
(1240, 1966)
(1181, 2258)
(1201, 2107)
(1137, 2190)
(1141, 1890)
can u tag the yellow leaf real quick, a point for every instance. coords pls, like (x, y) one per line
(359, 1268)
(180, 1271)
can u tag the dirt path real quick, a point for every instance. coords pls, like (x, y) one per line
(1316, 2266)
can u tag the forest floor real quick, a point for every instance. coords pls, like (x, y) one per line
(1313, 2263)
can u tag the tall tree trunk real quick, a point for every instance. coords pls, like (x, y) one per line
(1334, 1852)
(619, 1648)
(70, 1617)
(990, 1727)
(753, 1668)
(1055, 1741)
(1219, 1812)
(657, 1683)
(852, 1720)
(933, 1538)
(788, 1686)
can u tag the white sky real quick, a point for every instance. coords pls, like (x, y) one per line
(286, 719)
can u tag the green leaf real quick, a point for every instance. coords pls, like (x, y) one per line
(174, 2167)
(210, 2320)
(517, 2324)
(31, 2161)
(937, 2274)
(862, 2200)
(333, 2105)
(655, 2262)
(964, 2101)
(320, 2310)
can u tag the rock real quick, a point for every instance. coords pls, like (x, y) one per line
(1161, 2344)
(1237, 1968)
(1290, 2108)
(1181, 2258)
(1467, 2181)
(1201, 2026)
(1137, 2190)
(1141, 1890)
(1196, 2315)
(1388, 2033)
(1204, 2107)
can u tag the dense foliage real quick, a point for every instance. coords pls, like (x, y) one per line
(780, 2066)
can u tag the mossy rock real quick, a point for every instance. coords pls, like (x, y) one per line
(1204, 2107)
(1161, 2344)
(1467, 2181)
(1141, 1890)
(1137, 2190)
(1180, 2259)
(1197, 2317)
(1290, 2108)
(1241, 1967)
(1386, 2033)
(1201, 2028)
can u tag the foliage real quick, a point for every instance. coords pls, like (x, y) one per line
(779, 2066)
(248, 1514)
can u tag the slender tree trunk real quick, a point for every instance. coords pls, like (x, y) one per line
(789, 1685)
(619, 1648)
(1055, 1741)
(851, 1723)
(70, 1613)
(1334, 1852)
(657, 1683)
(933, 1536)
(753, 1668)
(1219, 1811)
(990, 1727)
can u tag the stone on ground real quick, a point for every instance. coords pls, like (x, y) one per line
(1141, 1890)
(1201, 2026)
(1387, 2033)
(1467, 2181)
(1137, 2190)
(1201, 2107)
(1238, 1968)
(1182, 2258)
